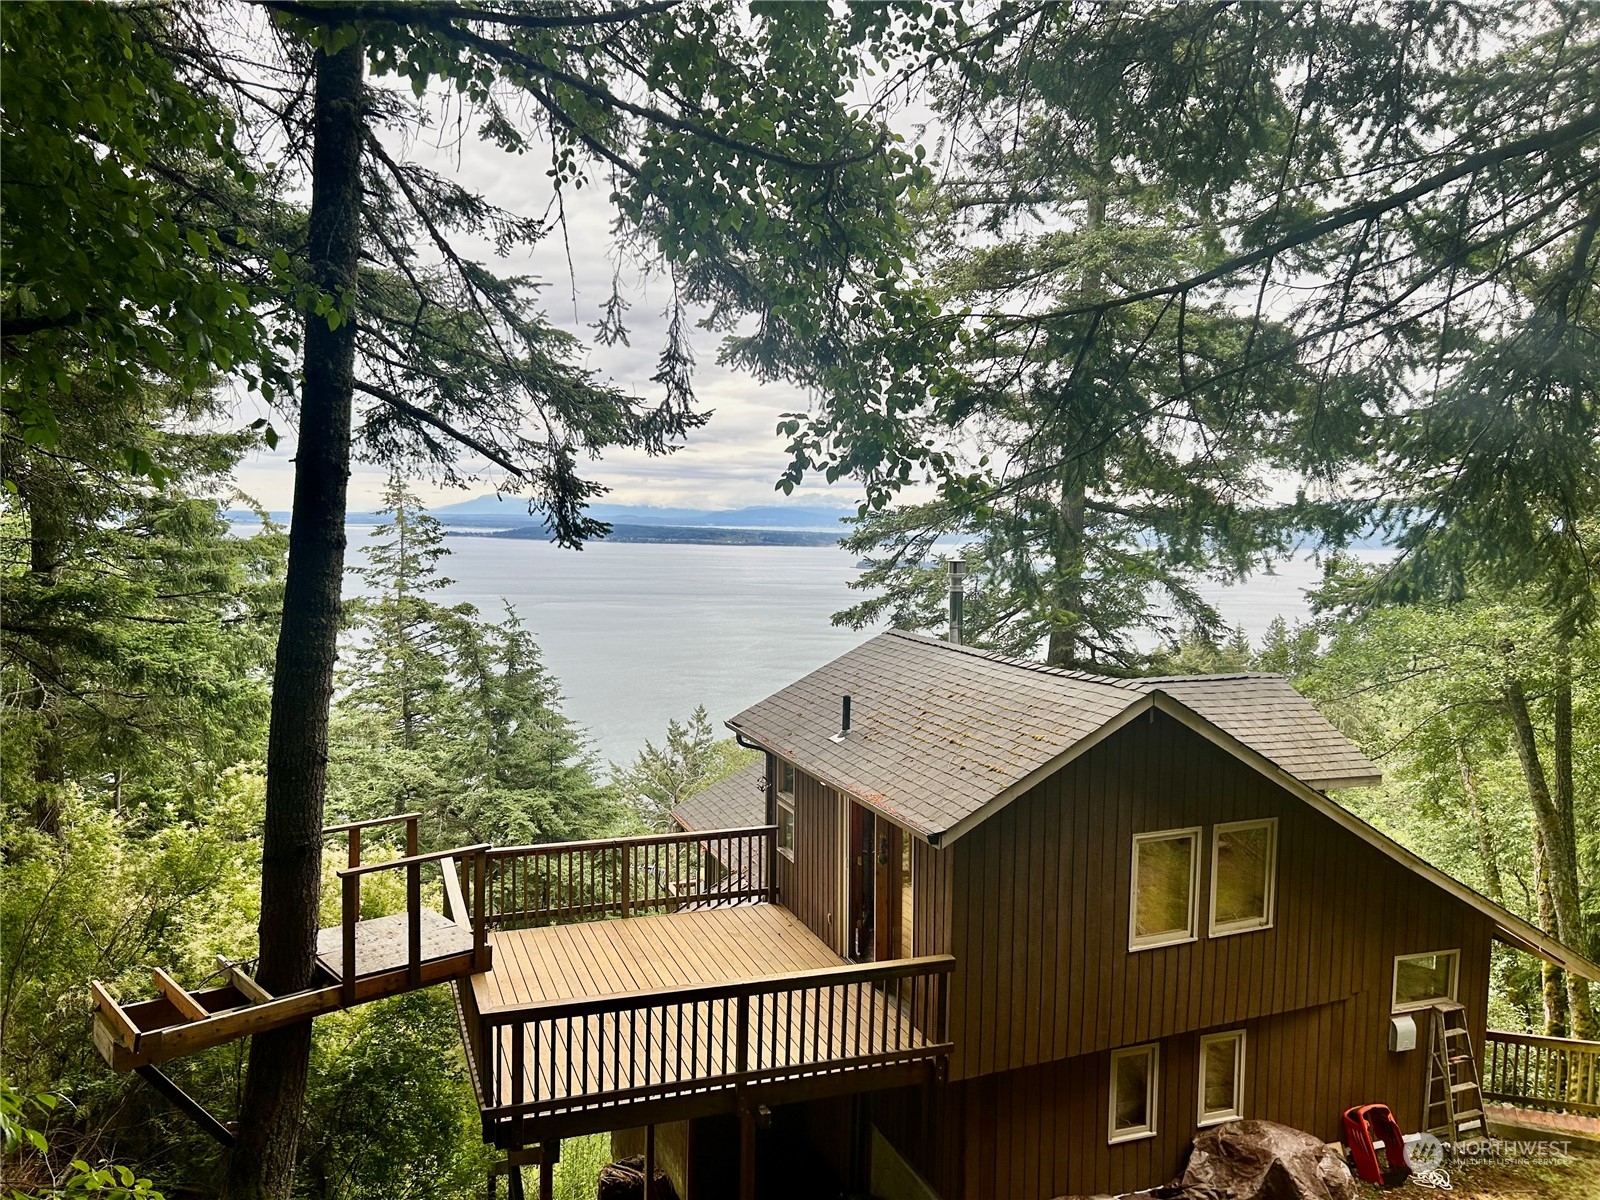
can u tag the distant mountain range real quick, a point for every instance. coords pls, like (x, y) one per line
(513, 512)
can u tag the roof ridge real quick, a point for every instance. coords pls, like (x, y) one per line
(1131, 683)
(1007, 660)
(1209, 678)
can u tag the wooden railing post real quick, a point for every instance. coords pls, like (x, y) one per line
(350, 914)
(480, 941)
(741, 1052)
(414, 923)
(770, 865)
(626, 888)
(355, 847)
(518, 1063)
(412, 845)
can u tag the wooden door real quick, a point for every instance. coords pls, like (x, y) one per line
(863, 869)
(879, 885)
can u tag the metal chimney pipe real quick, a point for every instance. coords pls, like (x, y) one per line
(844, 720)
(958, 579)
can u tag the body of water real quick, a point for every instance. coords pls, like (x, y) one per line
(639, 633)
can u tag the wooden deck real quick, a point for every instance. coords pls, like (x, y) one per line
(643, 954)
(382, 943)
(589, 1027)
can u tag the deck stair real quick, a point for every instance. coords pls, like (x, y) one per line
(1455, 1091)
(356, 961)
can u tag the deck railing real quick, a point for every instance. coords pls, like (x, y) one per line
(622, 877)
(1542, 1072)
(565, 1055)
(461, 868)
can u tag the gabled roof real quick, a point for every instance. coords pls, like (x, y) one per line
(940, 733)
(943, 736)
(736, 802)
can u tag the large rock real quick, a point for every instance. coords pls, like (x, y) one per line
(624, 1180)
(1261, 1160)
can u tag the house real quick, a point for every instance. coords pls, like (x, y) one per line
(974, 928)
(1158, 919)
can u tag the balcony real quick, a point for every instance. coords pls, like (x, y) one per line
(642, 980)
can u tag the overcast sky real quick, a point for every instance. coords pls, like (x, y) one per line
(730, 462)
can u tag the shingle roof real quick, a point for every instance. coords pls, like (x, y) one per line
(736, 802)
(940, 732)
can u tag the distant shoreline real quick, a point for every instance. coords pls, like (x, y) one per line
(698, 535)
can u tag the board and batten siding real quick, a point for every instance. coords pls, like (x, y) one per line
(1041, 1131)
(810, 885)
(1040, 895)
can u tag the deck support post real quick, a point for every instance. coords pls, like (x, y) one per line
(649, 1162)
(549, 1155)
(747, 1152)
(191, 1107)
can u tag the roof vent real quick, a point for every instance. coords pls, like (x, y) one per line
(844, 720)
(958, 579)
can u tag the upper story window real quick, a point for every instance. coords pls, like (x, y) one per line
(1221, 1077)
(1424, 979)
(1166, 880)
(1243, 876)
(1134, 1081)
(785, 806)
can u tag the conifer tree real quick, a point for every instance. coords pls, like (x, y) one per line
(448, 714)
(690, 760)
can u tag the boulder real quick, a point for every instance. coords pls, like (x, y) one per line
(1262, 1160)
(624, 1180)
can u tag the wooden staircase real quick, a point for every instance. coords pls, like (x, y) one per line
(1455, 1090)
(356, 961)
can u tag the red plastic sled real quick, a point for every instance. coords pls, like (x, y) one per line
(1364, 1127)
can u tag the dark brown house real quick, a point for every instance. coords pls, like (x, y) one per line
(1158, 919)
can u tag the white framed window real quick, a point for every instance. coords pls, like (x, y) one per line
(1421, 980)
(1166, 877)
(1244, 876)
(1135, 1086)
(1222, 1077)
(785, 809)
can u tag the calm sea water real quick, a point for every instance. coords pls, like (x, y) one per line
(640, 633)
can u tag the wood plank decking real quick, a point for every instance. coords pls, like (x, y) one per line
(576, 1025)
(608, 958)
(381, 943)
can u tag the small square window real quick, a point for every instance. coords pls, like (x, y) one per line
(786, 779)
(1134, 1082)
(1243, 876)
(1165, 883)
(1424, 979)
(785, 827)
(1221, 1077)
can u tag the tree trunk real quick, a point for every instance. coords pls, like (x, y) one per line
(261, 1166)
(1561, 856)
(1578, 1004)
(1551, 998)
(1480, 821)
(1066, 597)
(47, 537)
(1065, 648)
